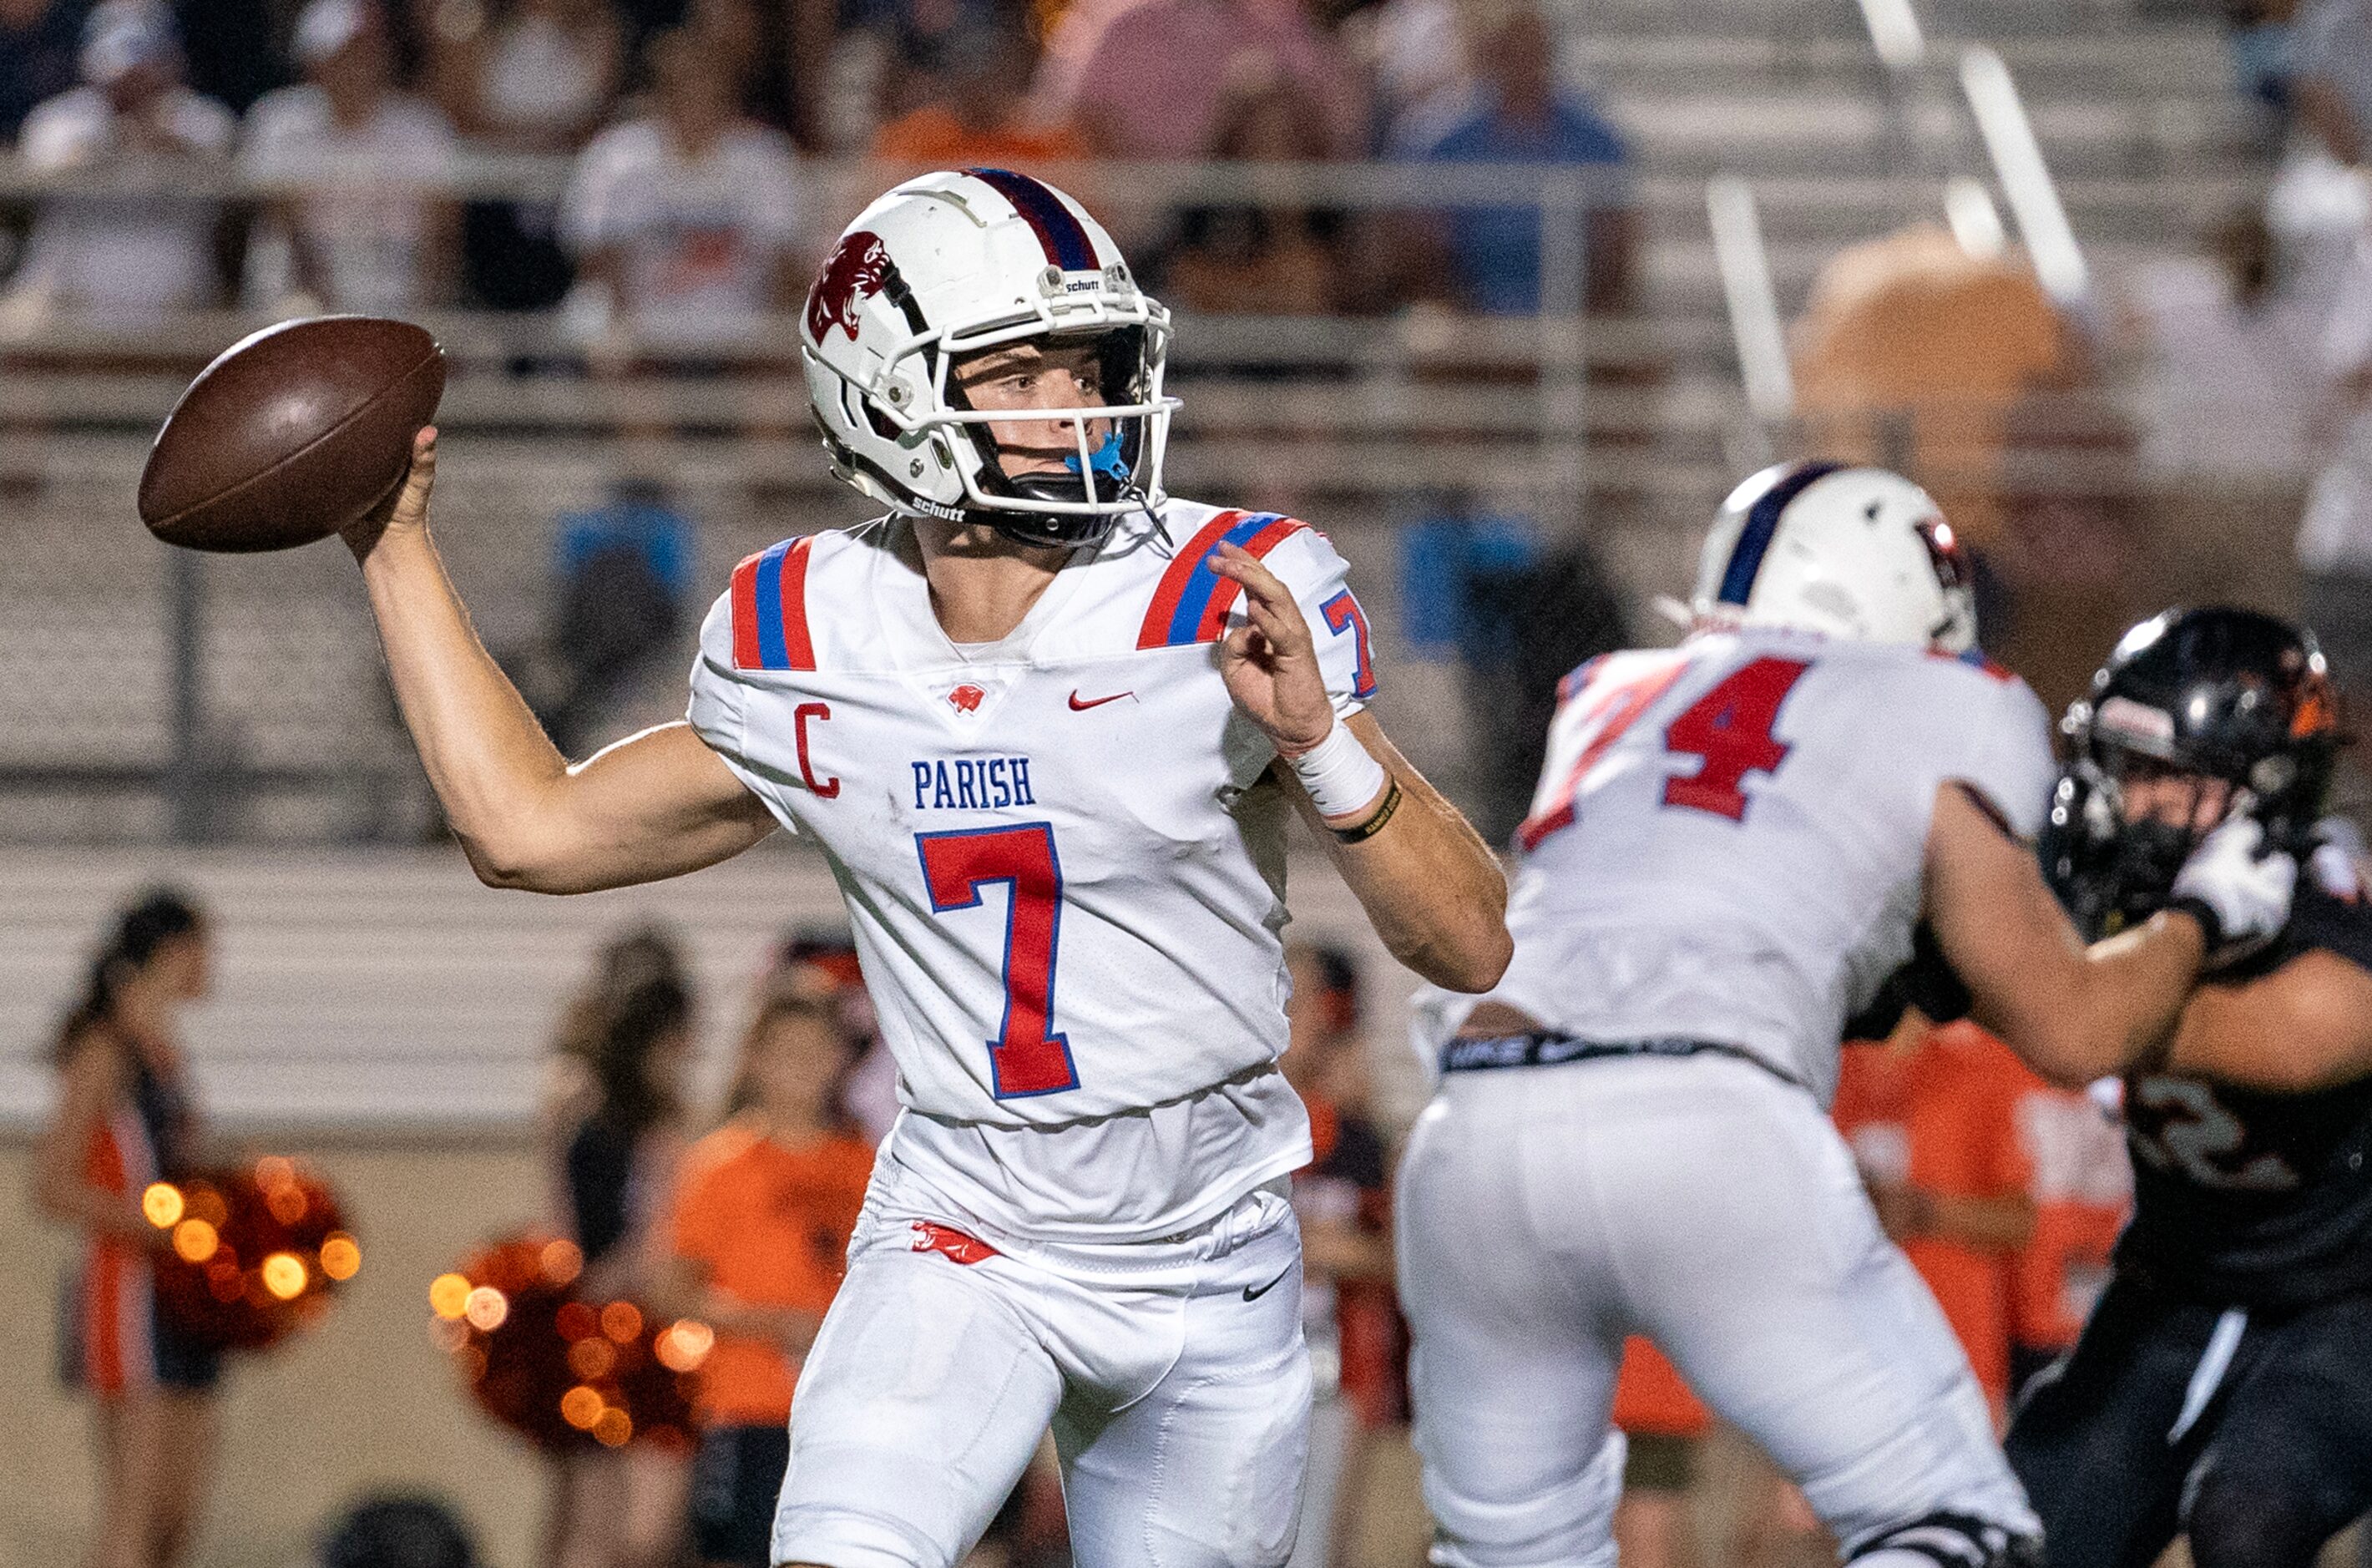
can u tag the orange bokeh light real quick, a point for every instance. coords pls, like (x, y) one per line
(485, 1307)
(686, 1344)
(592, 1358)
(562, 1261)
(273, 1171)
(575, 1320)
(195, 1240)
(614, 1427)
(448, 1295)
(288, 1203)
(161, 1202)
(581, 1406)
(284, 1275)
(340, 1257)
(621, 1320)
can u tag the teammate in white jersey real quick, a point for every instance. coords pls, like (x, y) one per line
(1046, 724)
(1731, 847)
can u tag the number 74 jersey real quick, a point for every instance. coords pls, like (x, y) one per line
(1728, 837)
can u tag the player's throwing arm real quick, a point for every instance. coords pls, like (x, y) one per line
(656, 805)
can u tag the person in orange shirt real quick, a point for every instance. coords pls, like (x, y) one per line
(2083, 1194)
(980, 116)
(759, 1239)
(1931, 1116)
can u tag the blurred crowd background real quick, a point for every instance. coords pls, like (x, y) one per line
(1503, 293)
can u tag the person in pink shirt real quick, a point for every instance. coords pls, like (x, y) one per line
(1144, 80)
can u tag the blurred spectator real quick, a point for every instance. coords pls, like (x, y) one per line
(926, 44)
(39, 41)
(2331, 81)
(2262, 38)
(614, 1128)
(1416, 53)
(685, 220)
(977, 115)
(623, 577)
(235, 51)
(370, 232)
(1517, 113)
(2083, 1191)
(1931, 1115)
(758, 1242)
(822, 959)
(124, 1117)
(1912, 352)
(143, 253)
(733, 36)
(1343, 1201)
(537, 77)
(1154, 82)
(1276, 259)
(400, 1531)
(2231, 396)
(1520, 617)
(2334, 540)
(540, 76)
(778, 53)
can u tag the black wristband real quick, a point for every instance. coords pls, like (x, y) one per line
(1375, 818)
(2210, 926)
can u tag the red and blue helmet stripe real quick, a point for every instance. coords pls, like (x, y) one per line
(1065, 238)
(1761, 526)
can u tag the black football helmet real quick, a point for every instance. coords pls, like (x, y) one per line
(2218, 693)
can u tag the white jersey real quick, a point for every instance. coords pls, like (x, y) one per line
(1065, 890)
(1728, 838)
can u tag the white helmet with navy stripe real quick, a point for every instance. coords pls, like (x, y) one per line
(1852, 552)
(951, 263)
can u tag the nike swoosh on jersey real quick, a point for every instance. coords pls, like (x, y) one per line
(1253, 1293)
(1079, 707)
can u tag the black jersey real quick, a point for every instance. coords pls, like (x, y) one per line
(2259, 1199)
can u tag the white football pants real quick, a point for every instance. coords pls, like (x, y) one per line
(1545, 1213)
(1172, 1373)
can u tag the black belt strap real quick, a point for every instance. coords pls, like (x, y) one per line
(1554, 1050)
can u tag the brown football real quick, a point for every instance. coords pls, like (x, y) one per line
(291, 433)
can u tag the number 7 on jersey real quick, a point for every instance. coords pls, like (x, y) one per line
(1025, 1058)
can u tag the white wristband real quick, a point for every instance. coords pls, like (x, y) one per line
(1342, 777)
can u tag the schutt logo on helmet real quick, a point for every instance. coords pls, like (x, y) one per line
(858, 269)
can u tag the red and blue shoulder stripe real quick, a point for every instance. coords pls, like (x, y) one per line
(770, 608)
(1192, 603)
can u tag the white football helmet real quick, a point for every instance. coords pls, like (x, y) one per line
(1854, 553)
(951, 263)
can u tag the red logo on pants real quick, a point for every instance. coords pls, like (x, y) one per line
(949, 1242)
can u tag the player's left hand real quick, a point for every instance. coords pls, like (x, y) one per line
(1271, 664)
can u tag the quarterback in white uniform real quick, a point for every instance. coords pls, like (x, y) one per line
(1046, 724)
(1731, 847)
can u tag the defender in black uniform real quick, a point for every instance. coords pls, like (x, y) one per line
(2223, 1388)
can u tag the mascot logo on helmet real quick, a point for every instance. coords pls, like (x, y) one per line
(858, 269)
